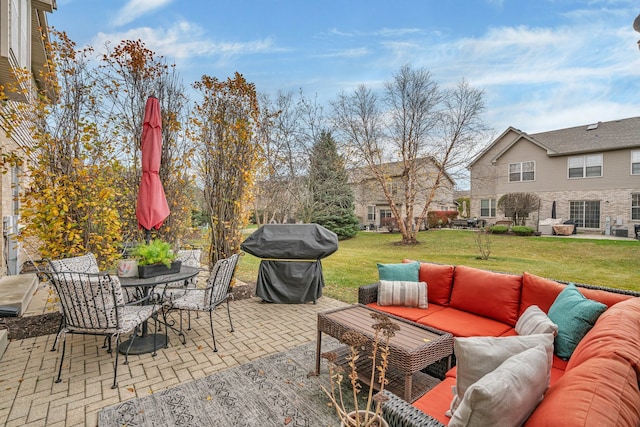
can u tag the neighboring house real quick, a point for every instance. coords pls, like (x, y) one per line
(21, 46)
(372, 207)
(591, 172)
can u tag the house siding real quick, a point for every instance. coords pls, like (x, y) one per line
(614, 189)
(20, 137)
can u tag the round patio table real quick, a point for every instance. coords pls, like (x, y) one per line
(144, 343)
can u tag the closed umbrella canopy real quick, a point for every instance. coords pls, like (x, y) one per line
(152, 208)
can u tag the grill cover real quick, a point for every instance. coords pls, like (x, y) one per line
(292, 272)
(291, 241)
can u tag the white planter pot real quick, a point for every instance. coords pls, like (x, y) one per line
(127, 268)
(352, 415)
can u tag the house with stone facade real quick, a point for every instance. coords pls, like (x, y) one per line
(22, 24)
(591, 172)
(372, 207)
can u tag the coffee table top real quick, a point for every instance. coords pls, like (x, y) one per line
(412, 348)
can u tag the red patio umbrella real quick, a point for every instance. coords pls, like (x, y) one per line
(152, 208)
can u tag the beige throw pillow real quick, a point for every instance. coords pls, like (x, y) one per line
(408, 294)
(535, 321)
(508, 395)
(478, 356)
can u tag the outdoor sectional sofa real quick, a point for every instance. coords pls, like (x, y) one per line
(597, 386)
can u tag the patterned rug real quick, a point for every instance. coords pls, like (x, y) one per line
(273, 391)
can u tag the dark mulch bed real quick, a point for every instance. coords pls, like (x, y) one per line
(30, 326)
(33, 326)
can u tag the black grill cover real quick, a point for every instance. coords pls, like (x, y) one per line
(298, 279)
(291, 241)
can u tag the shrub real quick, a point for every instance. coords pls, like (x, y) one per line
(390, 223)
(440, 218)
(522, 230)
(499, 229)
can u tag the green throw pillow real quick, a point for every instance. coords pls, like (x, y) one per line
(404, 272)
(575, 315)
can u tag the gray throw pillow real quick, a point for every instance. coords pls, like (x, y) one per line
(508, 395)
(535, 321)
(477, 356)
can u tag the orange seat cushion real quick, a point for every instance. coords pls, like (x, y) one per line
(599, 392)
(439, 280)
(409, 313)
(437, 401)
(463, 324)
(616, 331)
(486, 293)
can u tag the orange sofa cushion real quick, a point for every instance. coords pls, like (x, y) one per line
(486, 293)
(438, 400)
(464, 324)
(409, 313)
(616, 331)
(542, 292)
(599, 392)
(439, 279)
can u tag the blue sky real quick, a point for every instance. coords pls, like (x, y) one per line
(542, 64)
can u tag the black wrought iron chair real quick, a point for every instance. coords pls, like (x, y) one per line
(170, 291)
(208, 299)
(93, 304)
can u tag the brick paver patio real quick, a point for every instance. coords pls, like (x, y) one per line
(29, 396)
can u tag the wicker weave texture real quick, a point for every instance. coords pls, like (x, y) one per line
(398, 413)
(413, 348)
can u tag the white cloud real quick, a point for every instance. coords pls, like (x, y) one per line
(185, 40)
(136, 8)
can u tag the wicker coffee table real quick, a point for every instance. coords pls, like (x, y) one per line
(413, 348)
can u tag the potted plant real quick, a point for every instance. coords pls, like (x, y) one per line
(369, 414)
(155, 259)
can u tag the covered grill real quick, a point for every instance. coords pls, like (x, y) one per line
(291, 271)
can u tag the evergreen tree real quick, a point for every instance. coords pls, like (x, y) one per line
(333, 199)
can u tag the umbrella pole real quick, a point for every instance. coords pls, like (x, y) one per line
(147, 234)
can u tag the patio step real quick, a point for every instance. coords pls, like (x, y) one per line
(17, 291)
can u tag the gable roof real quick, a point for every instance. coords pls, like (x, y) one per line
(395, 170)
(601, 136)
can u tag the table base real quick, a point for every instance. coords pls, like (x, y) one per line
(143, 345)
(411, 386)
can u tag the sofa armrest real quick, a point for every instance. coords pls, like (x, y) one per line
(368, 293)
(399, 413)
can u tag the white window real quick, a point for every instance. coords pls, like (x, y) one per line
(392, 188)
(635, 206)
(589, 166)
(488, 207)
(635, 162)
(585, 213)
(522, 171)
(20, 31)
(371, 213)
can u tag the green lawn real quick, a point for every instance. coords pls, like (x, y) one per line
(612, 263)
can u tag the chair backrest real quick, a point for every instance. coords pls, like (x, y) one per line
(79, 264)
(189, 257)
(220, 279)
(90, 302)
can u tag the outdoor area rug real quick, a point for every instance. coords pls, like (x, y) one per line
(272, 391)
